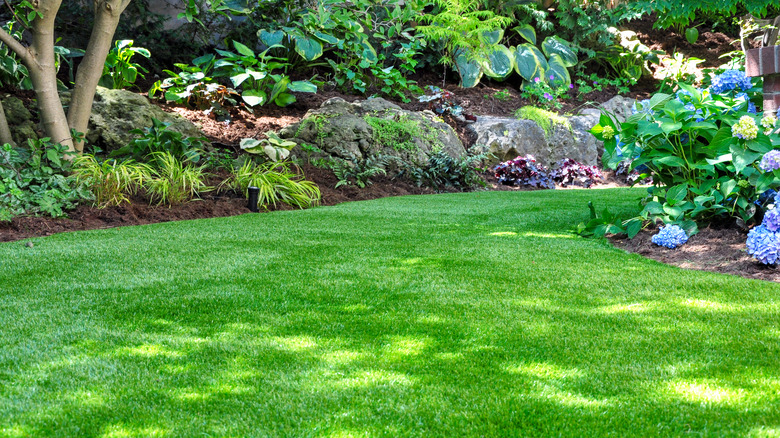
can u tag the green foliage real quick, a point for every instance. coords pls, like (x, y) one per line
(630, 61)
(255, 75)
(399, 133)
(545, 93)
(546, 120)
(158, 138)
(12, 72)
(193, 85)
(359, 171)
(681, 13)
(443, 171)
(171, 181)
(608, 223)
(110, 181)
(277, 183)
(678, 69)
(274, 147)
(500, 95)
(35, 180)
(701, 169)
(465, 33)
(593, 83)
(119, 70)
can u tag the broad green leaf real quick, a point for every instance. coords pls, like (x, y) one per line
(239, 79)
(251, 145)
(330, 39)
(284, 99)
(677, 193)
(633, 227)
(270, 38)
(530, 63)
(302, 87)
(654, 207)
(670, 161)
(722, 139)
(309, 48)
(765, 181)
(279, 87)
(669, 127)
(727, 187)
(470, 71)
(742, 157)
(493, 37)
(558, 71)
(674, 212)
(527, 32)
(369, 53)
(500, 63)
(276, 153)
(761, 144)
(554, 45)
(691, 35)
(243, 50)
(254, 97)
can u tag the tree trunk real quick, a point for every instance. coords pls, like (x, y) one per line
(44, 75)
(5, 131)
(107, 13)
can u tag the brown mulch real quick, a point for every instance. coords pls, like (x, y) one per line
(712, 249)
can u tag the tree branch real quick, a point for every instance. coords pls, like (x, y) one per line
(20, 50)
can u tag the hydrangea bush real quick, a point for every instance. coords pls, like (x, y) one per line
(708, 152)
(670, 236)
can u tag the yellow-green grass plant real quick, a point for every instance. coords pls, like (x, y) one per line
(171, 181)
(111, 181)
(277, 183)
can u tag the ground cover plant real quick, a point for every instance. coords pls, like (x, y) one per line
(417, 316)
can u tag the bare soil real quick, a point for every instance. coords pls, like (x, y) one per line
(713, 249)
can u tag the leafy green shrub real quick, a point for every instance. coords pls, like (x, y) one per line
(702, 148)
(35, 180)
(119, 70)
(110, 181)
(277, 183)
(158, 138)
(359, 171)
(273, 146)
(441, 170)
(170, 181)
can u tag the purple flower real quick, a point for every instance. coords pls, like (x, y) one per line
(536, 80)
(772, 220)
(763, 244)
(595, 83)
(548, 96)
(552, 78)
(571, 86)
(770, 161)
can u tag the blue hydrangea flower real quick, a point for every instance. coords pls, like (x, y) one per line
(642, 106)
(670, 236)
(770, 161)
(752, 108)
(730, 80)
(763, 244)
(772, 220)
(767, 197)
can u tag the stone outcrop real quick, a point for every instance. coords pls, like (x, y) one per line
(116, 112)
(506, 138)
(370, 128)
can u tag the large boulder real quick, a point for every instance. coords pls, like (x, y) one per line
(506, 138)
(370, 128)
(116, 112)
(20, 120)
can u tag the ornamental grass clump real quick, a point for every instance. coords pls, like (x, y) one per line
(670, 236)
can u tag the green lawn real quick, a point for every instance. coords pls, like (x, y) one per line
(474, 314)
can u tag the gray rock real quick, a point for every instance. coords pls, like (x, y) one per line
(116, 112)
(351, 131)
(20, 120)
(507, 138)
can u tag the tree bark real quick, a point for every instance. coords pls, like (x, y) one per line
(107, 13)
(5, 131)
(44, 75)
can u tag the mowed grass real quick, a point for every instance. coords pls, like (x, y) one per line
(474, 314)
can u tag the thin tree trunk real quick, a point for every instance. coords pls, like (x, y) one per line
(107, 13)
(44, 75)
(5, 131)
